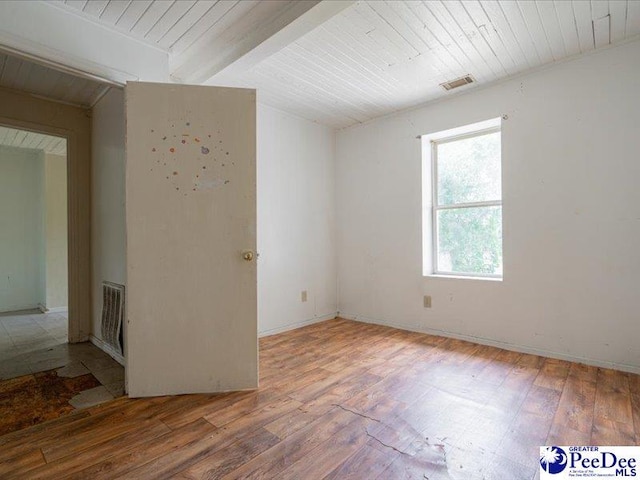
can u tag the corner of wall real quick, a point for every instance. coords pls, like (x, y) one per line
(108, 237)
(296, 221)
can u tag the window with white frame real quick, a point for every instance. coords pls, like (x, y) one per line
(466, 202)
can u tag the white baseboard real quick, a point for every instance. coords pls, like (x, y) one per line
(499, 344)
(107, 349)
(293, 326)
(57, 309)
(44, 309)
(19, 308)
(38, 306)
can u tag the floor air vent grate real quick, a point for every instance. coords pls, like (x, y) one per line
(113, 315)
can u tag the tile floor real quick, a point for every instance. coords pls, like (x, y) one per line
(32, 342)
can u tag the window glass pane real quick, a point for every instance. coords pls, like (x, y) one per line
(470, 240)
(469, 170)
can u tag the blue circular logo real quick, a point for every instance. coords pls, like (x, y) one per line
(553, 459)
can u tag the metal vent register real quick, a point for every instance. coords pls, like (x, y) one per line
(458, 82)
(112, 315)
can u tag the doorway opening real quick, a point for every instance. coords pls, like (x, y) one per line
(47, 365)
(33, 249)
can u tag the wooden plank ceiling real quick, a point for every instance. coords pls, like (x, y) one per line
(12, 137)
(20, 74)
(167, 24)
(377, 57)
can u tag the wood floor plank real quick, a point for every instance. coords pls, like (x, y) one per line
(88, 440)
(289, 424)
(610, 432)
(77, 425)
(323, 459)
(584, 372)
(541, 401)
(114, 405)
(255, 418)
(346, 381)
(497, 370)
(365, 463)
(119, 466)
(563, 435)
(502, 467)
(527, 433)
(289, 381)
(18, 465)
(294, 447)
(231, 432)
(412, 468)
(245, 407)
(576, 407)
(84, 456)
(20, 436)
(342, 399)
(205, 465)
(178, 418)
(635, 410)
(613, 397)
(553, 374)
(515, 387)
(486, 431)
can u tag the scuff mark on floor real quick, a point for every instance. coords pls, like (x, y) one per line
(355, 413)
(384, 444)
(423, 454)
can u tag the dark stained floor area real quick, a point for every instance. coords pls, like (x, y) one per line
(33, 399)
(340, 400)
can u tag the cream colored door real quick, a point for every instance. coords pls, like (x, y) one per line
(191, 323)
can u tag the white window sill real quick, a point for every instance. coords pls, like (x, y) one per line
(463, 277)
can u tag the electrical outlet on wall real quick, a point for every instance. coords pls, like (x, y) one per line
(427, 301)
(303, 296)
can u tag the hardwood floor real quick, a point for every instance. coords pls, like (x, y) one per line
(346, 400)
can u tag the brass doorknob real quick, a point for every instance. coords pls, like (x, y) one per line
(248, 255)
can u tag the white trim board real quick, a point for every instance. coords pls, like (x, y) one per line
(57, 309)
(63, 62)
(496, 343)
(20, 308)
(107, 349)
(296, 325)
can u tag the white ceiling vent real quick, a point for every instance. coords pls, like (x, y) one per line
(458, 82)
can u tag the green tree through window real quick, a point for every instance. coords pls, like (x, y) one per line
(468, 204)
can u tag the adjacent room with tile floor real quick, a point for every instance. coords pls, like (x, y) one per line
(32, 342)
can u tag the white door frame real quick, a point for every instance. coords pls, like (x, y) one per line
(26, 112)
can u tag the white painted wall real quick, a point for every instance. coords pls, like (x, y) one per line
(571, 195)
(21, 229)
(108, 240)
(296, 221)
(295, 214)
(55, 231)
(51, 32)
